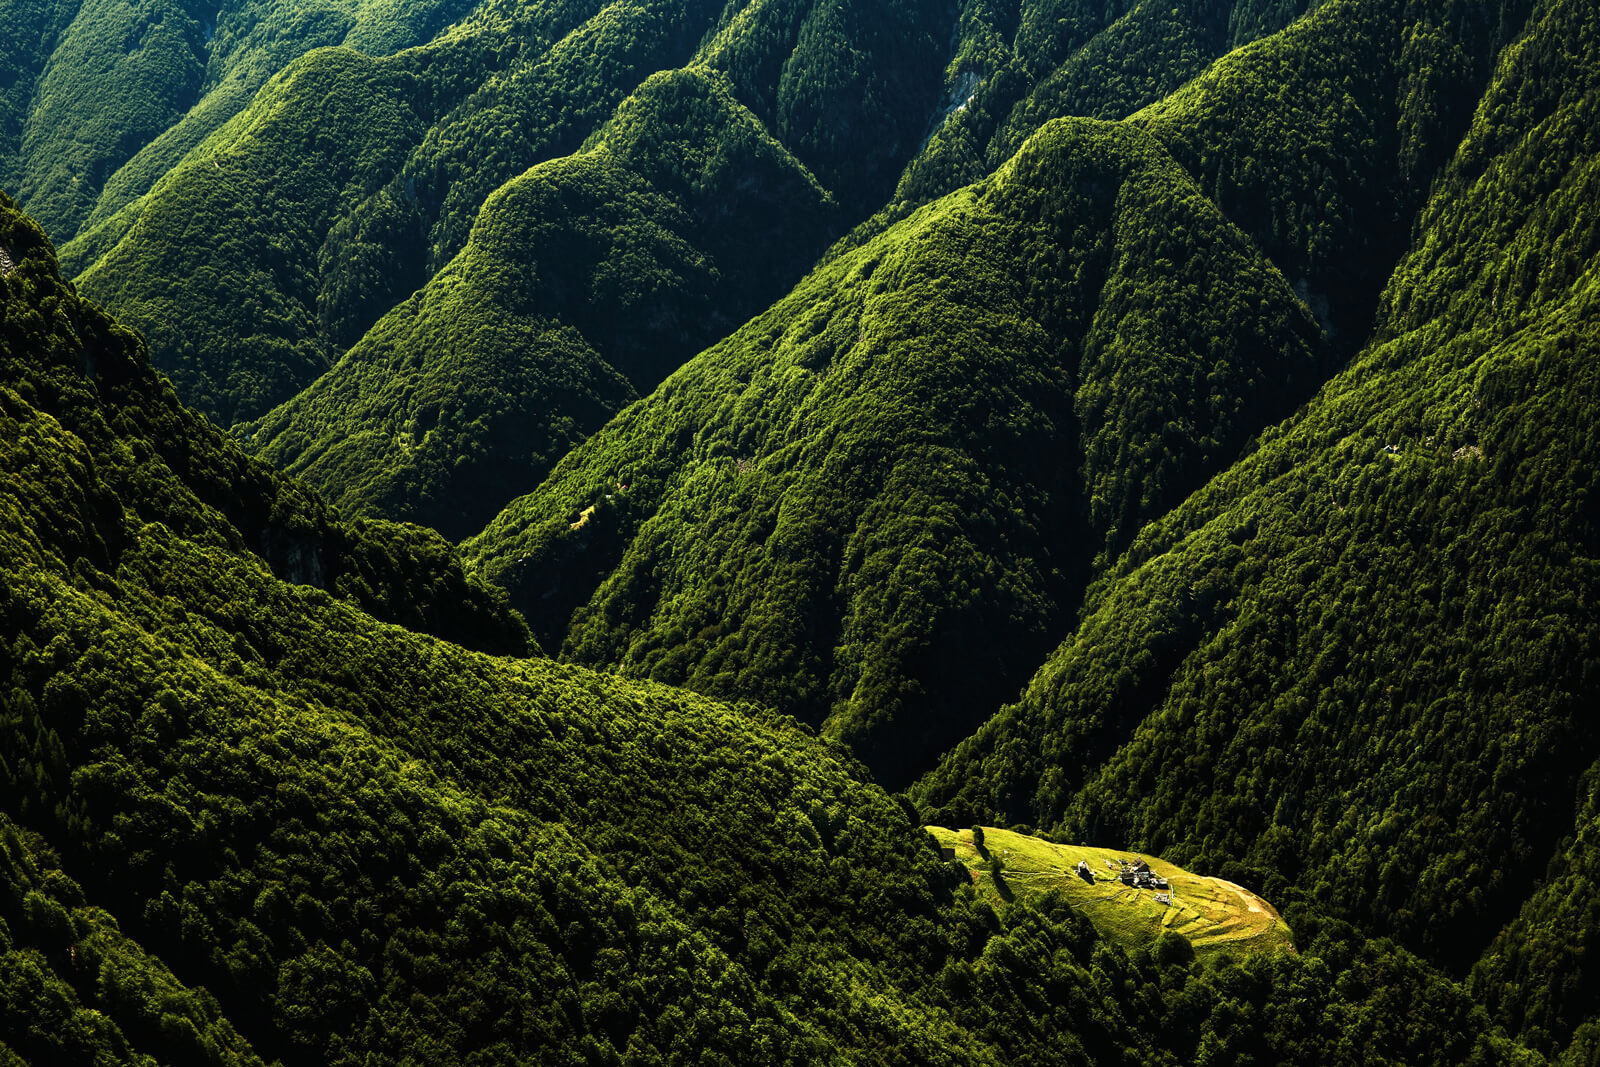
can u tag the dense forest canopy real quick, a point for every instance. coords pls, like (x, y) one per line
(515, 514)
(248, 821)
(874, 481)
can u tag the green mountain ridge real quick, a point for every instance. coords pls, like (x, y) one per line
(424, 419)
(116, 93)
(215, 261)
(1016, 66)
(507, 88)
(800, 514)
(1155, 384)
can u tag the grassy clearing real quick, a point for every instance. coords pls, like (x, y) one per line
(1216, 916)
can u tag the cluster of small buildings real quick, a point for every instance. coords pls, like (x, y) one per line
(1139, 875)
(1136, 874)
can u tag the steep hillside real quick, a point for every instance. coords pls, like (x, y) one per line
(868, 505)
(1319, 141)
(293, 236)
(220, 261)
(188, 480)
(586, 278)
(1118, 385)
(1218, 376)
(1017, 64)
(29, 30)
(243, 821)
(1363, 660)
(244, 226)
(104, 96)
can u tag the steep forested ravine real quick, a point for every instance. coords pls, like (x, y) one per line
(889, 560)
(891, 477)
(294, 227)
(586, 280)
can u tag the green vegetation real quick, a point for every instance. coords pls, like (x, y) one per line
(1324, 162)
(844, 546)
(103, 97)
(1209, 916)
(238, 249)
(1361, 663)
(402, 574)
(221, 257)
(586, 278)
(289, 238)
(74, 988)
(118, 75)
(879, 481)
(1136, 60)
(1207, 386)
(1321, 160)
(1018, 66)
(28, 33)
(245, 821)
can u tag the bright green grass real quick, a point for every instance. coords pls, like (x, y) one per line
(1216, 916)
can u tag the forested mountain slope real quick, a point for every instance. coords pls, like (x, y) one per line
(1017, 64)
(854, 521)
(1319, 141)
(906, 467)
(283, 241)
(293, 237)
(277, 245)
(244, 821)
(219, 258)
(188, 479)
(1364, 660)
(586, 279)
(104, 96)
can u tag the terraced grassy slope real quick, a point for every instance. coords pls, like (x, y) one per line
(1215, 916)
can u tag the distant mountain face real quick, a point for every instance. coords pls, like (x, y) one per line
(261, 255)
(907, 466)
(259, 258)
(106, 96)
(586, 280)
